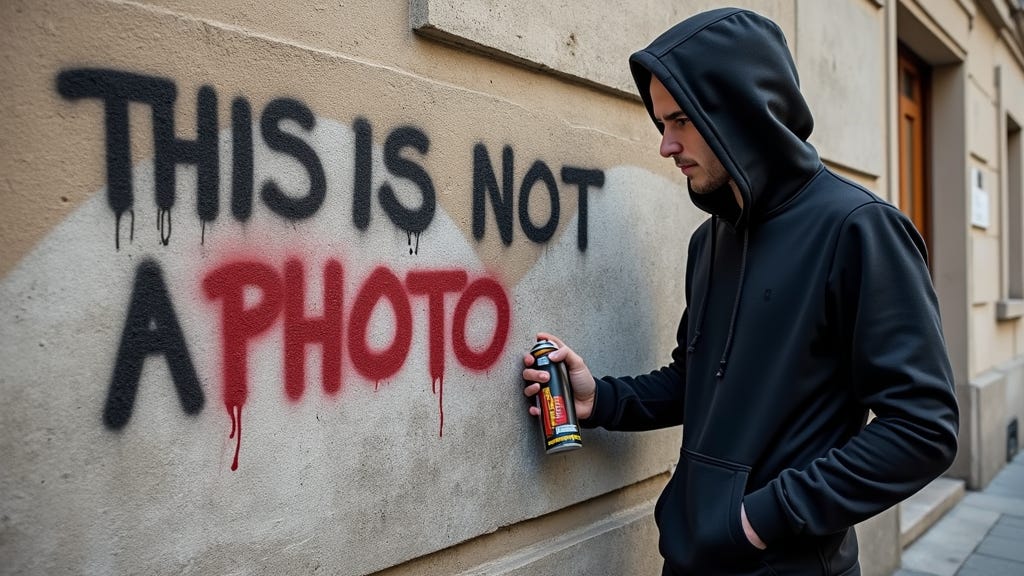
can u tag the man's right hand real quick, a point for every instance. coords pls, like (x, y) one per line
(584, 389)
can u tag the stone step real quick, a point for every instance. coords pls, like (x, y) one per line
(922, 510)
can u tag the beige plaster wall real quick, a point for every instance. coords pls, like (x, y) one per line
(843, 77)
(162, 300)
(987, 56)
(586, 43)
(990, 95)
(105, 294)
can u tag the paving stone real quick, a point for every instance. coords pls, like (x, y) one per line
(944, 548)
(1002, 547)
(1010, 479)
(983, 535)
(1003, 491)
(980, 565)
(1002, 504)
(1007, 530)
(1010, 520)
(1012, 469)
(935, 559)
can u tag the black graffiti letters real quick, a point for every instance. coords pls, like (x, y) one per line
(539, 234)
(286, 126)
(583, 179)
(241, 160)
(118, 89)
(484, 181)
(411, 220)
(485, 186)
(203, 153)
(150, 329)
(277, 139)
(363, 179)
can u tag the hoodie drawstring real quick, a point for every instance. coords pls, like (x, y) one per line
(735, 308)
(723, 362)
(707, 288)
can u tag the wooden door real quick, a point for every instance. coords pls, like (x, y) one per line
(913, 85)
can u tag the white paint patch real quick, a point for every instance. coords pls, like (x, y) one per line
(356, 481)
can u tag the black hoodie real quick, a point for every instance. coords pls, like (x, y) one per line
(807, 308)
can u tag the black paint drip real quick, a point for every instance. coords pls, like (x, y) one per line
(416, 249)
(117, 229)
(163, 223)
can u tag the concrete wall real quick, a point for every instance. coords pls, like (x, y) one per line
(183, 181)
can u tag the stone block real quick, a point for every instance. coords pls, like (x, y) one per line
(1014, 372)
(624, 544)
(982, 449)
(944, 548)
(879, 542)
(919, 512)
(590, 45)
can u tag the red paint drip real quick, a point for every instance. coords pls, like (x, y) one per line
(435, 285)
(239, 325)
(236, 426)
(440, 401)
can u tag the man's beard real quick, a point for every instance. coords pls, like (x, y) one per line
(716, 178)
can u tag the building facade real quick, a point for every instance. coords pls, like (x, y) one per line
(268, 270)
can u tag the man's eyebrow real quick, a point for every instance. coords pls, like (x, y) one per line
(676, 116)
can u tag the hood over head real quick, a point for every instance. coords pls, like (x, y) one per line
(731, 72)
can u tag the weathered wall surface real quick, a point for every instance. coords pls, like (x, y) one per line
(265, 290)
(845, 72)
(267, 271)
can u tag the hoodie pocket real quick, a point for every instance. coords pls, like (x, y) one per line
(712, 494)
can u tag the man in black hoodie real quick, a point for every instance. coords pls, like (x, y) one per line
(809, 303)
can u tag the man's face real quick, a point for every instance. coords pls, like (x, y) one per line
(681, 142)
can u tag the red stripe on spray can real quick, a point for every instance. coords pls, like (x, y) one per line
(557, 411)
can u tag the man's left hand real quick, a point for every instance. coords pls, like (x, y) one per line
(749, 530)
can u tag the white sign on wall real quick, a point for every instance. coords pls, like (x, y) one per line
(979, 200)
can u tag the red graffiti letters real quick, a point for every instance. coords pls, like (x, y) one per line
(242, 320)
(239, 325)
(377, 366)
(435, 284)
(300, 331)
(483, 288)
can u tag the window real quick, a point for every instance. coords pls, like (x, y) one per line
(1012, 306)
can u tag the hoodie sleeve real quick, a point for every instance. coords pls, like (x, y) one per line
(888, 322)
(646, 402)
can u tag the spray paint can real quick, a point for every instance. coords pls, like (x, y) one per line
(558, 423)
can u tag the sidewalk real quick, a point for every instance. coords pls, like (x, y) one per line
(983, 535)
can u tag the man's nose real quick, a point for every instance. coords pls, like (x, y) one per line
(669, 146)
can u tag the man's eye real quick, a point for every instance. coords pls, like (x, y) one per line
(681, 122)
